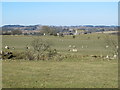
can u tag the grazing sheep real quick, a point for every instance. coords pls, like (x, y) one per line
(44, 34)
(75, 50)
(70, 50)
(58, 34)
(107, 46)
(7, 47)
(115, 56)
(27, 47)
(117, 47)
(1, 52)
(107, 56)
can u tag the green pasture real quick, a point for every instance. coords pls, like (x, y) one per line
(94, 45)
(78, 70)
(54, 74)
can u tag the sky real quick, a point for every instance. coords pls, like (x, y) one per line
(60, 13)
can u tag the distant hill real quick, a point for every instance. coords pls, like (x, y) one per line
(19, 27)
(89, 28)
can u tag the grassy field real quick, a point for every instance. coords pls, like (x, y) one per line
(94, 45)
(74, 71)
(47, 74)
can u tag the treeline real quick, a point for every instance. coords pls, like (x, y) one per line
(13, 32)
(52, 30)
(44, 30)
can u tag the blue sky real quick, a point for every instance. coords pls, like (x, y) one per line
(60, 13)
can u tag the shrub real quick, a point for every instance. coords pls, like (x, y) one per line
(29, 55)
(52, 53)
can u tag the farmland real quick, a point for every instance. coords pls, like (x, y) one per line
(94, 45)
(78, 70)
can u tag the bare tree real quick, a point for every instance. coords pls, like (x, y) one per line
(40, 47)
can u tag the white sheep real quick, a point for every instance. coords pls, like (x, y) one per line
(27, 47)
(6, 47)
(117, 47)
(115, 56)
(107, 56)
(75, 50)
(1, 52)
(58, 34)
(44, 34)
(107, 46)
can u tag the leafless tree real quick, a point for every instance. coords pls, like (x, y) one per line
(40, 47)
